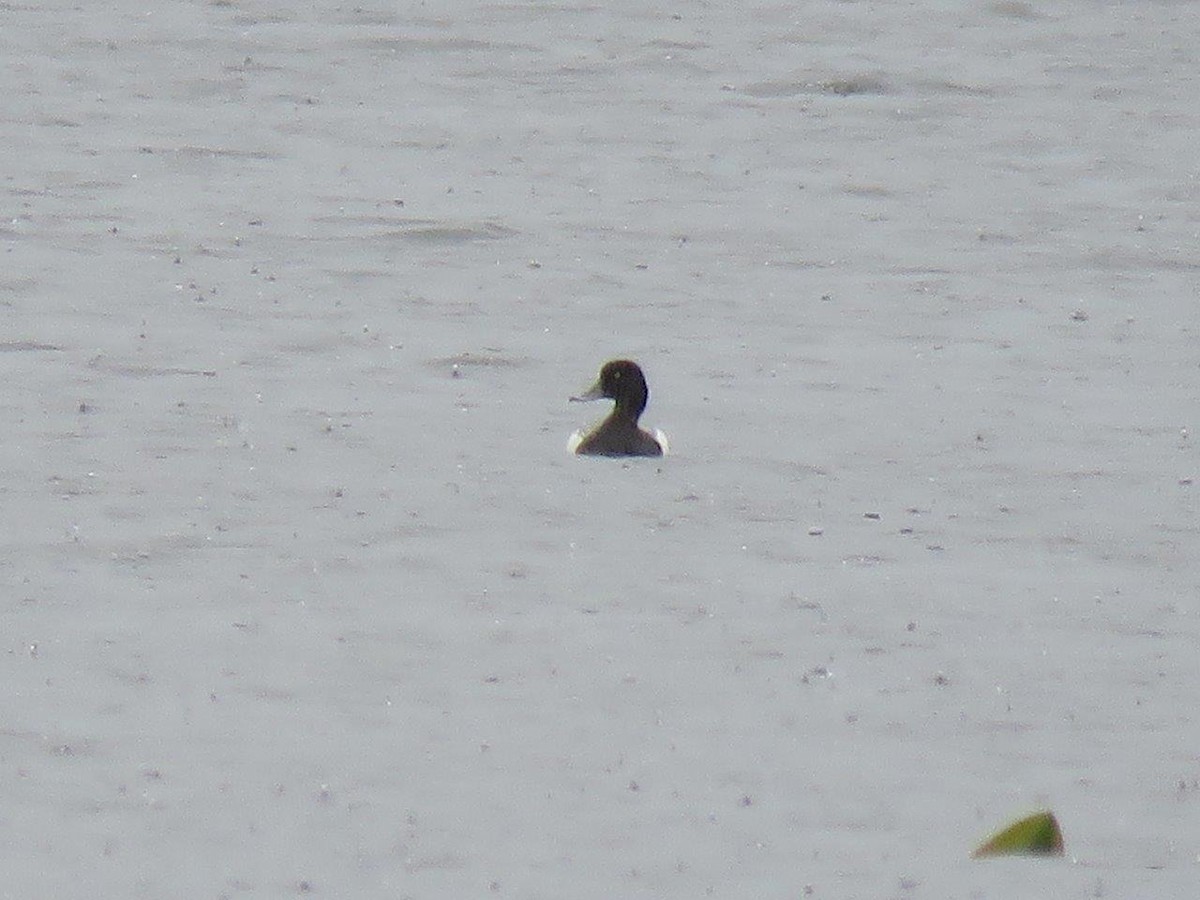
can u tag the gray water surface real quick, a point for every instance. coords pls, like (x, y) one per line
(304, 596)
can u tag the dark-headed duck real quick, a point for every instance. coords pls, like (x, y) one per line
(619, 435)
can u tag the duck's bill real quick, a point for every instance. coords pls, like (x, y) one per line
(595, 392)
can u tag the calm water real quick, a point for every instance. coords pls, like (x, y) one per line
(304, 595)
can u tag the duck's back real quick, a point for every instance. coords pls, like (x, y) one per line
(615, 438)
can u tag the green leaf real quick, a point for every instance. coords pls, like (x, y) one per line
(1037, 835)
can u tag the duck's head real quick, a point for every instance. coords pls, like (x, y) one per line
(620, 380)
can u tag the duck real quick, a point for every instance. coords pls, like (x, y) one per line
(619, 435)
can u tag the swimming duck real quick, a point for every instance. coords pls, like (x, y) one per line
(618, 435)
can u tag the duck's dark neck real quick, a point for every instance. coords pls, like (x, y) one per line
(630, 407)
